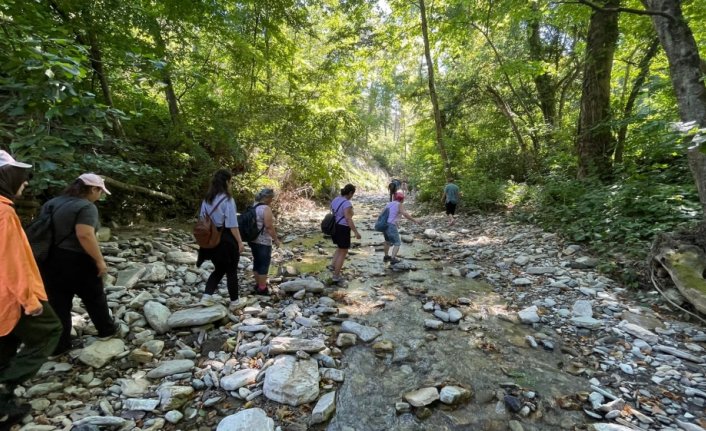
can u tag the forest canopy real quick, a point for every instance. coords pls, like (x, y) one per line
(565, 109)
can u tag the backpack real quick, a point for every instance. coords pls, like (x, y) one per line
(328, 224)
(381, 223)
(247, 224)
(40, 233)
(206, 232)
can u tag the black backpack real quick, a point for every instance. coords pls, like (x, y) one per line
(40, 233)
(247, 224)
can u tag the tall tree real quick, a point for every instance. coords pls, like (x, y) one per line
(686, 74)
(439, 127)
(595, 142)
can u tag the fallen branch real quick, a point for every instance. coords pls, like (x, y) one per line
(124, 186)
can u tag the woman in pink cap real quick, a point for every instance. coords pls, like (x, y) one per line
(26, 319)
(391, 234)
(75, 266)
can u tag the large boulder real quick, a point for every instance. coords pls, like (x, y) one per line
(197, 316)
(686, 267)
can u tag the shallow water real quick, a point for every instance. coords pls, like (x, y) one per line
(492, 351)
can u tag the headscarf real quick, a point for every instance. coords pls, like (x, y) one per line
(11, 178)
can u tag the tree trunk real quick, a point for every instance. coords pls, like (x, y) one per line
(544, 83)
(687, 79)
(643, 70)
(169, 92)
(595, 140)
(97, 65)
(432, 94)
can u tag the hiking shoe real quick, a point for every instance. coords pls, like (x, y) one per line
(394, 260)
(207, 301)
(115, 333)
(261, 291)
(387, 258)
(336, 279)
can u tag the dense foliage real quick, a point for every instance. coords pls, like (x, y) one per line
(159, 94)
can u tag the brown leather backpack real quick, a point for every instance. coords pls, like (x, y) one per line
(206, 232)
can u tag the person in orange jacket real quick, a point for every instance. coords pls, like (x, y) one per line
(26, 318)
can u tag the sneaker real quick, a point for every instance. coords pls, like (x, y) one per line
(115, 333)
(329, 267)
(336, 279)
(394, 260)
(387, 258)
(261, 291)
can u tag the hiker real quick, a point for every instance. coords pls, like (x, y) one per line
(262, 246)
(26, 318)
(393, 187)
(220, 205)
(450, 199)
(391, 234)
(75, 264)
(343, 213)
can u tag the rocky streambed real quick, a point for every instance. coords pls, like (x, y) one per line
(484, 325)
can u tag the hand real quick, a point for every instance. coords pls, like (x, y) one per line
(278, 243)
(102, 268)
(241, 247)
(36, 311)
(357, 235)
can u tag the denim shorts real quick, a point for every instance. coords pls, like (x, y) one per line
(391, 234)
(261, 256)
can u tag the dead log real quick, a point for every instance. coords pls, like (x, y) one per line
(138, 189)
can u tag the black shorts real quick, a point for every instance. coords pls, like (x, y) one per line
(450, 208)
(342, 236)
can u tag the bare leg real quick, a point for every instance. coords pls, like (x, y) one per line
(387, 247)
(338, 263)
(395, 249)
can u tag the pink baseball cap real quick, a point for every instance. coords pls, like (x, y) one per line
(7, 159)
(399, 196)
(92, 179)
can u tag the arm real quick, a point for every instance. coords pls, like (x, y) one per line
(236, 233)
(270, 226)
(20, 273)
(348, 213)
(86, 235)
(406, 215)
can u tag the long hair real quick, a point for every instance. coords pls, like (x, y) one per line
(349, 188)
(11, 179)
(219, 184)
(77, 189)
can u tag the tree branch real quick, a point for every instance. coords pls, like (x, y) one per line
(597, 7)
(124, 186)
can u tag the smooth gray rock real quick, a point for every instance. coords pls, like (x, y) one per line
(365, 333)
(291, 381)
(454, 395)
(309, 284)
(586, 322)
(239, 379)
(324, 408)
(197, 316)
(422, 397)
(101, 352)
(157, 316)
(143, 404)
(280, 345)
(529, 315)
(168, 368)
(247, 420)
(582, 308)
(129, 277)
(638, 331)
(181, 257)
(155, 272)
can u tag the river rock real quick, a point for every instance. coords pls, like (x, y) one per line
(155, 272)
(168, 368)
(582, 308)
(365, 333)
(529, 315)
(181, 257)
(157, 316)
(454, 315)
(197, 316)
(454, 395)
(638, 331)
(280, 345)
(173, 397)
(309, 284)
(291, 381)
(422, 397)
(324, 408)
(608, 427)
(586, 322)
(129, 277)
(239, 379)
(43, 388)
(247, 420)
(101, 352)
(142, 404)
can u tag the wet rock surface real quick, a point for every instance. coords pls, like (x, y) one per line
(487, 324)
